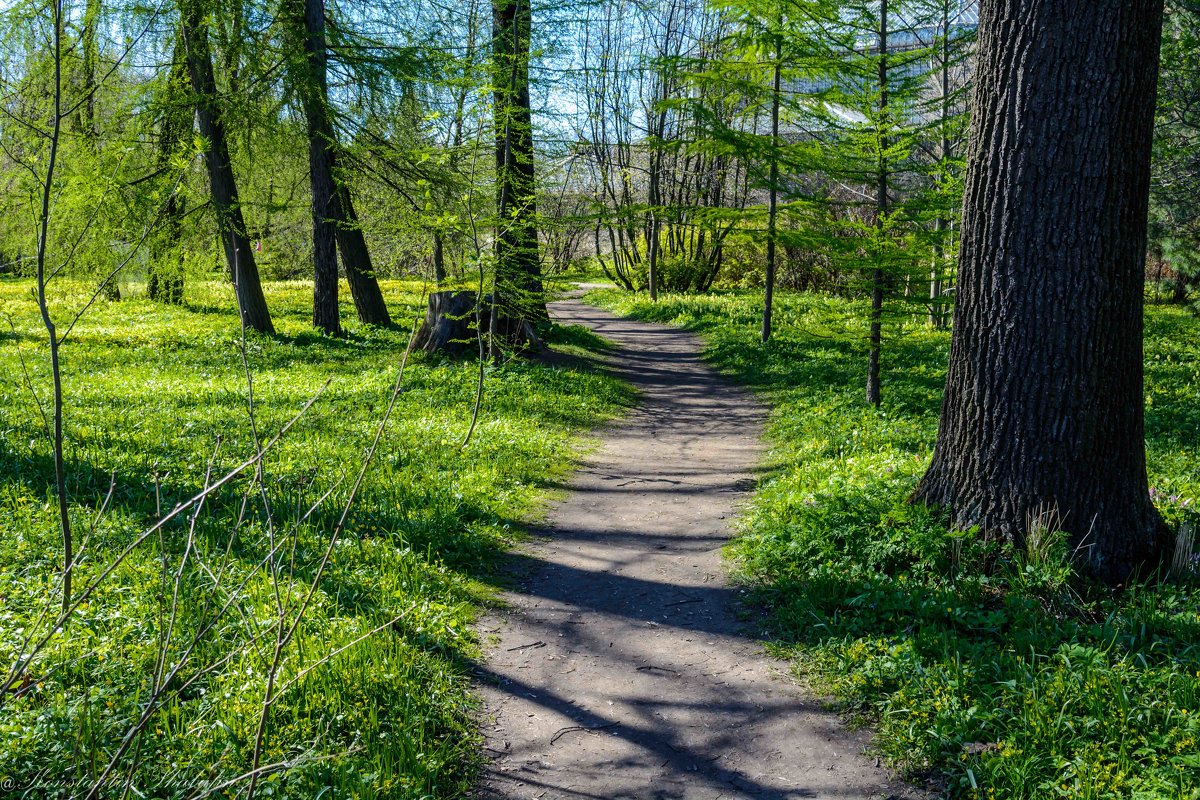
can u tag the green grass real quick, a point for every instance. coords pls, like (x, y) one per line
(988, 672)
(150, 392)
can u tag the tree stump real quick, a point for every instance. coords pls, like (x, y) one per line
(452, 323)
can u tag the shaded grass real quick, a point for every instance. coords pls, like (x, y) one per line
(150, 391)
(988, 672)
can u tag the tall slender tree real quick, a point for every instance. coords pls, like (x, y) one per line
(164, 277)
(518, 265)
(231, 225)
(773, 178)
(312, 84)
(882, 202)
(335, 224)
(1043, 410)
(879, 174)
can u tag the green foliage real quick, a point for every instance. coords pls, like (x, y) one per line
(990, 672)
(1175, 193)
(150, 390)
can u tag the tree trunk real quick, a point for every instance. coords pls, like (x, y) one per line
(85, 121)
(881, 209)
(335, 224)
(518, 267)
(439, 257)
(87, 111)
(231, 227)
(654, 184)
(937, 310)
(164, 278)
(308, 16)
(356, 258)
(773, 200)
(1179, 290)
(1044, 400)
(937, 315)
(452, 324)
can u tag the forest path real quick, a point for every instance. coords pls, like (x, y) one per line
(620, 668)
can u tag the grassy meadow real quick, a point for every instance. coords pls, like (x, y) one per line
(987, 673)
(156, 399)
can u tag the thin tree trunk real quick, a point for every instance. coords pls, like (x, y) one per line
(87, 112)
(654, 201)
(86, 115)
(439, 257)
(47, 190)
(773, 201)
(937, 316)
(356, 258)
(654, 188)
(1043, 411)
(881, 209)
(164, 279)
(239, 255)
(937, 312)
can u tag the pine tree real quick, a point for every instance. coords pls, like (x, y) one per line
(887, 122)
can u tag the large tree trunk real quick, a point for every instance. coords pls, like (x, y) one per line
(518, 266)
(1044, 402)
(239, 255)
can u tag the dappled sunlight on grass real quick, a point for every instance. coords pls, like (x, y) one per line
(154, 394)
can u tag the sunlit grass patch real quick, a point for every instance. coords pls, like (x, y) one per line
(155, 396)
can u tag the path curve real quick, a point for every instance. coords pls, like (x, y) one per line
(620, 668)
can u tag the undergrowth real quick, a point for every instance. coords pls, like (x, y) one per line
(151, 391)
(986, 672)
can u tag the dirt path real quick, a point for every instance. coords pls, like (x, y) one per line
(621, 669)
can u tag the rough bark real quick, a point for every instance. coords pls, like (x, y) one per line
(1044, 398)
(308, 17)
(449, 325)
(356, 258)
(335, 224)
(453, 321)
(518, 266)
(231, 227)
